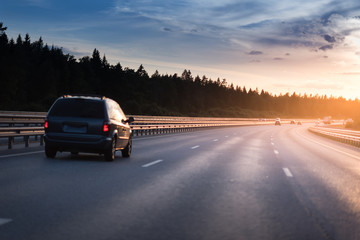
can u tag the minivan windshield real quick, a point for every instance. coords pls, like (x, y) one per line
(78, 107)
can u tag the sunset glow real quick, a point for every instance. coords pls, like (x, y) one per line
(279, 46)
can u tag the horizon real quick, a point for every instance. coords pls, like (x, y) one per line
(279, 47)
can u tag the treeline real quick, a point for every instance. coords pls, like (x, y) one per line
(34, 74)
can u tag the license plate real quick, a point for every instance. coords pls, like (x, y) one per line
(74, 129)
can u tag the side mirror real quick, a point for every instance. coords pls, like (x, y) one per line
(130, 120)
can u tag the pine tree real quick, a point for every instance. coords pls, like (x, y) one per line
(2, 29)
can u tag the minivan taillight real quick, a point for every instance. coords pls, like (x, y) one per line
(46, 124)
(106, 127)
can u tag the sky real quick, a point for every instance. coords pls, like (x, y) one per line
(302, 46)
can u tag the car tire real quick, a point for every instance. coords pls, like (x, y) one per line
(126, 152)
(50, 152)
(110, 152)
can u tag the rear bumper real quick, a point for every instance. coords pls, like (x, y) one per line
(76, 143)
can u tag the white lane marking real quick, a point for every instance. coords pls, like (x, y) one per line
(215, 140)
(4, 221)
(152, 163)
(276, 152)
(287, 172)
(337, 150)
(195, 147)
(20, 154)
(226, 136)
(272, 143)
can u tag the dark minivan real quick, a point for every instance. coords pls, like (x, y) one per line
(85, 123)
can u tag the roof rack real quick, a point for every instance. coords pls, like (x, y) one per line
(84, 95)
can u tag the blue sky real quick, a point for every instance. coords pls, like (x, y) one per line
(279, 46)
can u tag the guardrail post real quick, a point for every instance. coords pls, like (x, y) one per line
(27, 141)
(10, 142)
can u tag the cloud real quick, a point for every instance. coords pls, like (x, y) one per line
(326, 47)
(255, 52)
(329, 38)
(246, 29)
(304, 23)
(167, 29)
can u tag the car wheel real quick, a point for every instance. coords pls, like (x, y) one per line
(110, 153)
(126, 152)
(50, 152)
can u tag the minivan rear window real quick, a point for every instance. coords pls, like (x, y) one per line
(77, 107)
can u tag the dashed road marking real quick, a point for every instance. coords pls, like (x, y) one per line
(152, 163)
(215, 140)
(195, 147)
(4, 221)
(272, 143)
(287, 172)
(276, 152)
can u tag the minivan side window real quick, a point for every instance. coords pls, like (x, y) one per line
(115, 111)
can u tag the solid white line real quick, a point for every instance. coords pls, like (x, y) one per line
(337, 150)
(276, 151)
(287, 172)
(195, 147)
(152, 163)
(4, 221)
(20, 154)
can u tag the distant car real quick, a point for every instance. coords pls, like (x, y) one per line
(349, 123)
(349, 120)
(327, 120)
(84, 123)
(292, 122)
(277, 122)
(299, 123)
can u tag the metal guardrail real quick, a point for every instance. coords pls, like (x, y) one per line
(21, 124)
(28, 124)
(151, 129)
(341, 135)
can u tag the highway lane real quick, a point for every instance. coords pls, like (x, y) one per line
(262, 182)
(327, 180)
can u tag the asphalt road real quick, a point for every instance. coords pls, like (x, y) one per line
(261, 182)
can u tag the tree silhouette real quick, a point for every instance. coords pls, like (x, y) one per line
(2, 29)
